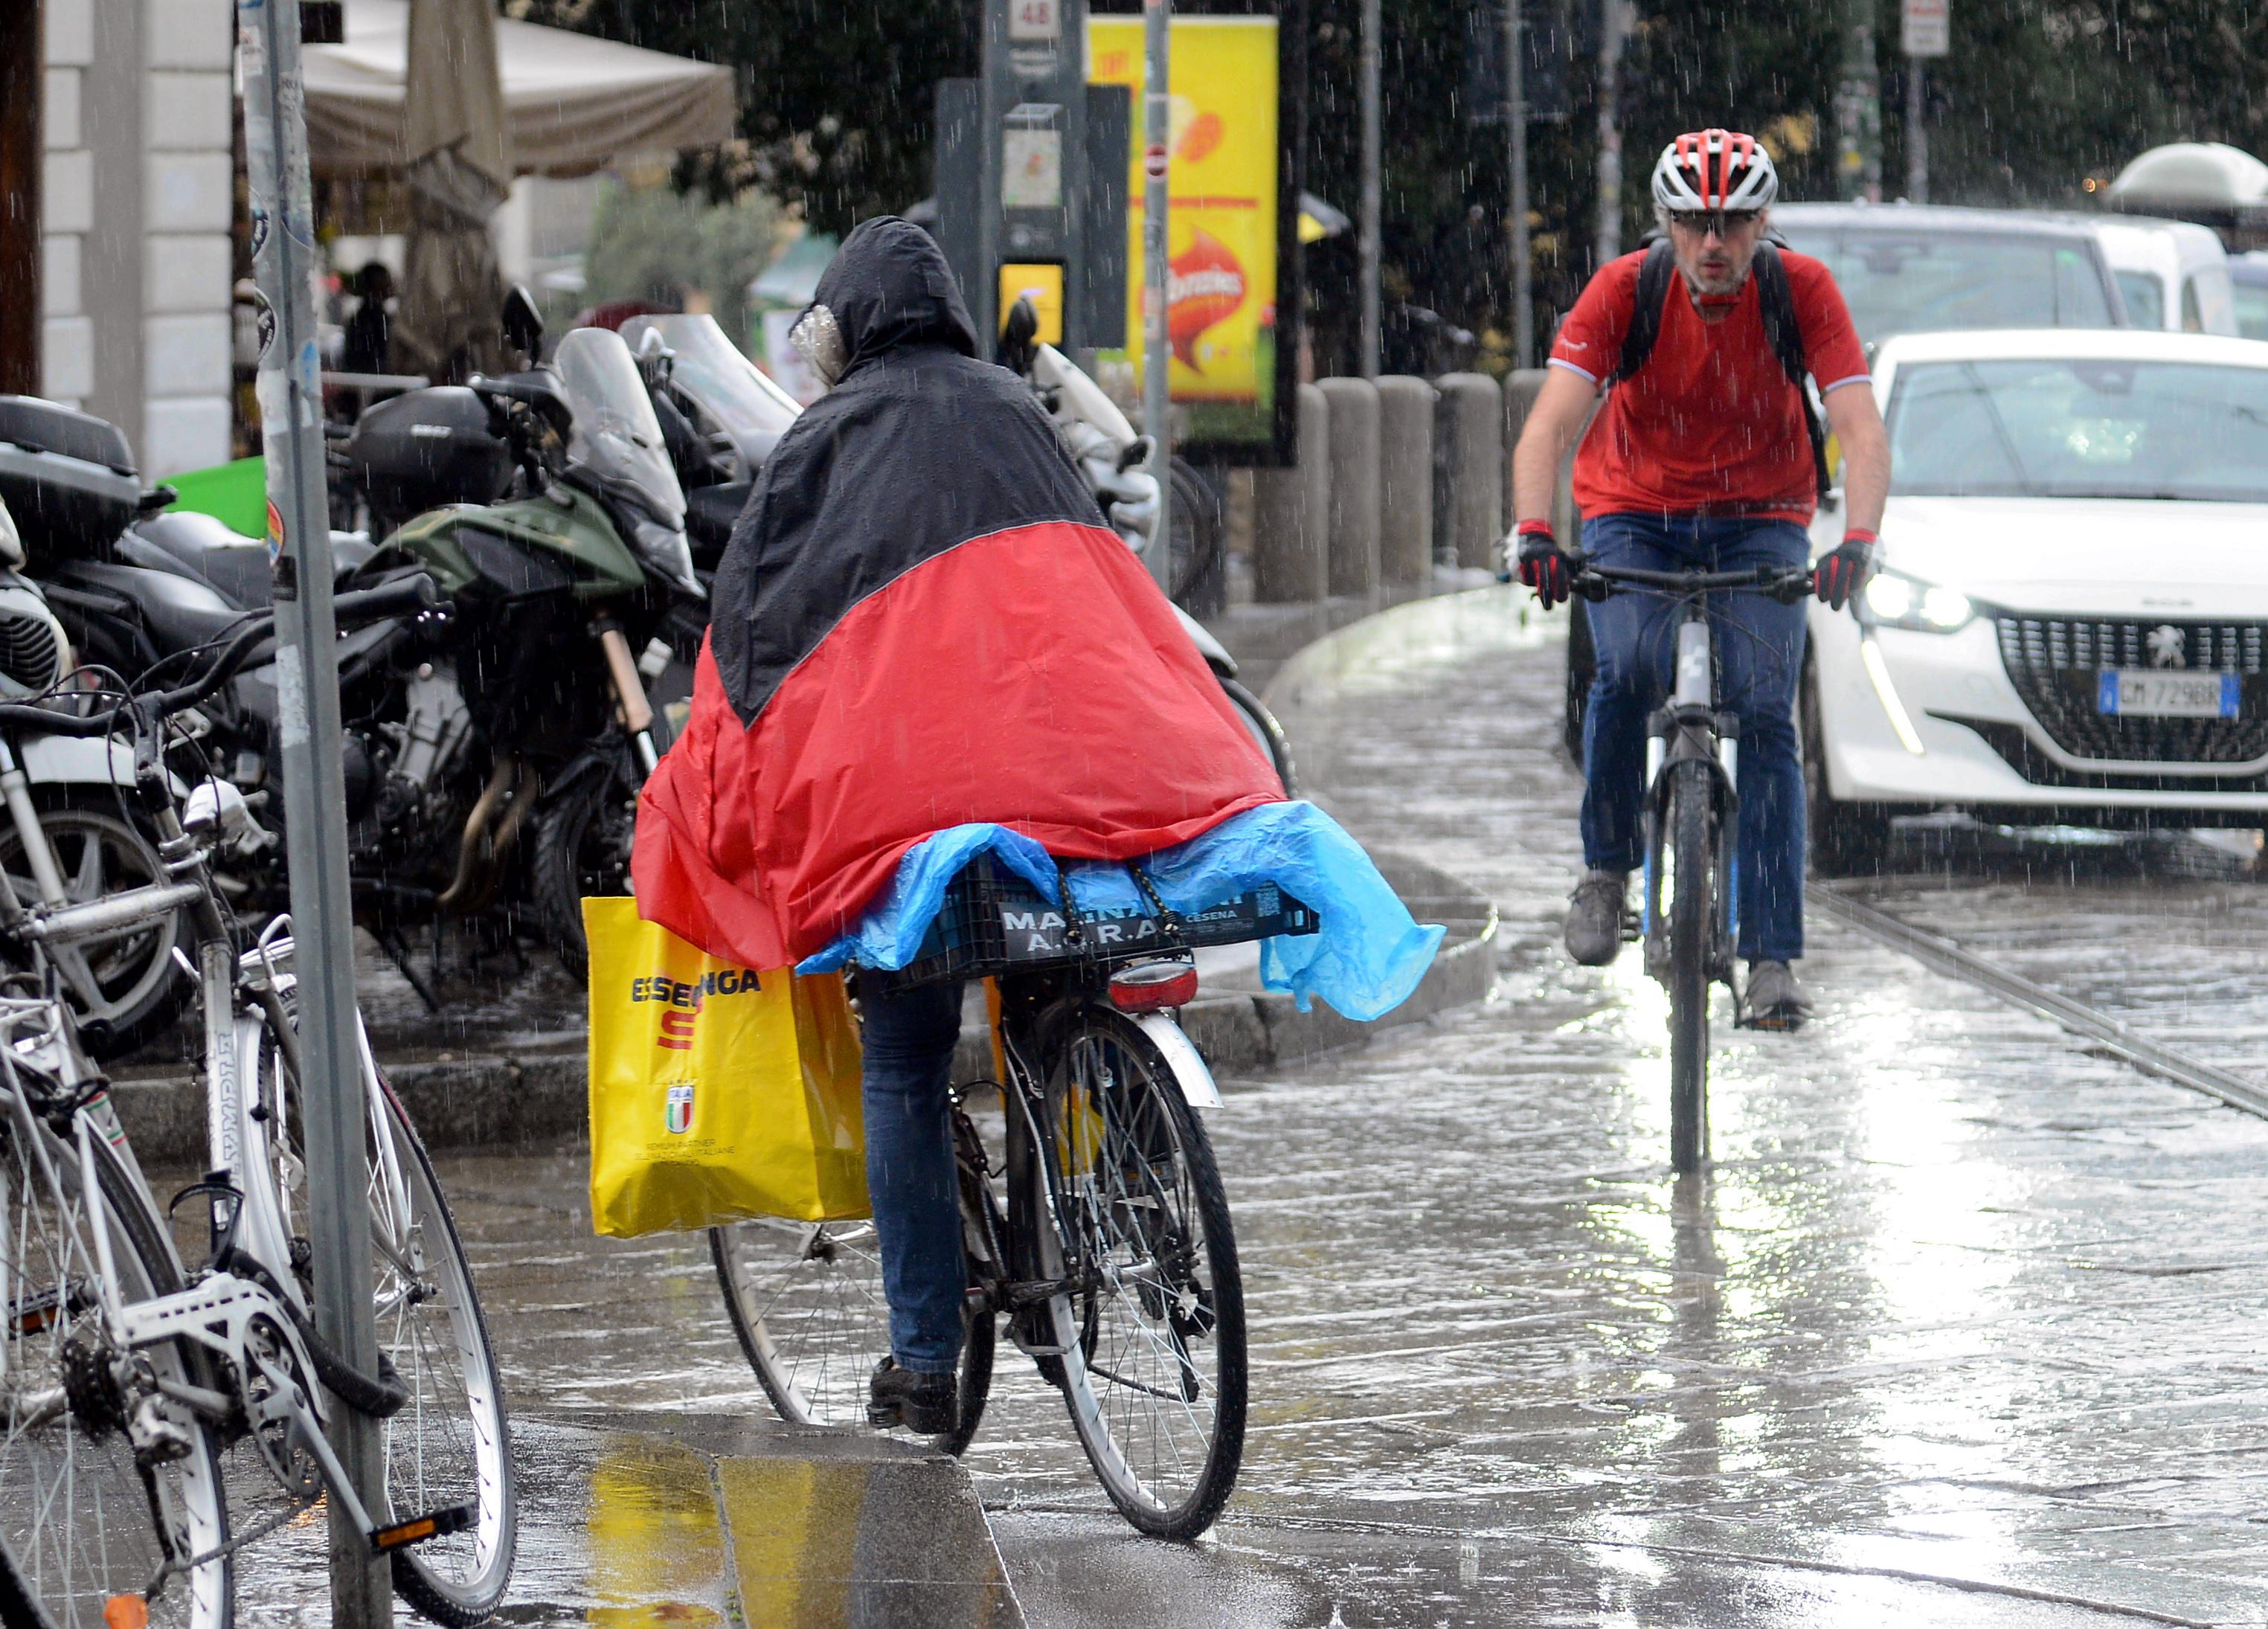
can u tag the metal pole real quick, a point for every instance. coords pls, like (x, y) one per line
(314, 797)
(1371, 190)
(1858, 107)
(1916, 133)
(1515, 122)
(1608, 243)
(1157, 341)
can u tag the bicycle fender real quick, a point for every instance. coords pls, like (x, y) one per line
(82, 761)
(1181, 1056)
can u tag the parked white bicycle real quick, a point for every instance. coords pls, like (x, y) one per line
(125, 1376)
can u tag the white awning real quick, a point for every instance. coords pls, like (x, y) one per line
(573, 103)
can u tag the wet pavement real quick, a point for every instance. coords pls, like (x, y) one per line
(1963, 1327)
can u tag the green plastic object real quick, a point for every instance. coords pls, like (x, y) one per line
(235, 494)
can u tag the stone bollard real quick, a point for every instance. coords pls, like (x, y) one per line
(1470, 457)
(1291, 521)
(1405, 480)
(1354, 485)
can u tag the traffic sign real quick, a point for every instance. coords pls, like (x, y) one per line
(1926, 27)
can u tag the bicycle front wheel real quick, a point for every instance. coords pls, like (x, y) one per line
(1154, 1369)
(450, 1444)
(1691, 910)
(80, 1527)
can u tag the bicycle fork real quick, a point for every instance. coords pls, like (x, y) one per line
(1689, 728)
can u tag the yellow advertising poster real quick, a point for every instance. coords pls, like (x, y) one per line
(1221, 176)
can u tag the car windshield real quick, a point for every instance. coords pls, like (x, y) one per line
(2063, 428)
(615, 436)
(1920, 282)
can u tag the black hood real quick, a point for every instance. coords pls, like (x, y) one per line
(889, 288)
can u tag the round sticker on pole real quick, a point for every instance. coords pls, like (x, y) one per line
(1153, 161)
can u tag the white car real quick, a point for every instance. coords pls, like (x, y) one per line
(2071, 625)
(2173, 275)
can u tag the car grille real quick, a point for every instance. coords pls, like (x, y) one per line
(2054, 663)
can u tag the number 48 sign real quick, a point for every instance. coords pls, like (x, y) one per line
(1033, 22)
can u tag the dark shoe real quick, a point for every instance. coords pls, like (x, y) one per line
(1775, 1000)
(928, 1404)
(1594, 920)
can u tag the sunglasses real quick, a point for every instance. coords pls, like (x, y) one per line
(1722, 223)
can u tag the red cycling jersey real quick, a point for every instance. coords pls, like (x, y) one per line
(1710, 425)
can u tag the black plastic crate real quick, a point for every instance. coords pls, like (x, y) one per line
(994, 922)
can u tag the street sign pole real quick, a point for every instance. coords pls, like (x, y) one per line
(1925, 30)
(1515, 124)
(1372, 190)
(314, 798)
(1157, 334)
(1608, 243)
(1858, 107)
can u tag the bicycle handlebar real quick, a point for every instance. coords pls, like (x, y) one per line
(354, 609)
(1768, 578)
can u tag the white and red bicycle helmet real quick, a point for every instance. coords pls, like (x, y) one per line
(1706, 170)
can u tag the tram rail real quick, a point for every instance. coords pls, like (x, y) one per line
(2108, 1035)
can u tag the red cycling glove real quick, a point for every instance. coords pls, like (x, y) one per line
(1843, 572)
(1542, 564)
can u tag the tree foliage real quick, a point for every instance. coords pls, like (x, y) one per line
(2036, 96)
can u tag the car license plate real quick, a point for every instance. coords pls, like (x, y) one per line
(2152, 693)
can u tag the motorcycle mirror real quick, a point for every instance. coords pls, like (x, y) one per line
(523, 324)
(1017, 331)
(1135, 453)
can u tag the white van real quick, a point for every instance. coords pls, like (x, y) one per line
(2173, 274)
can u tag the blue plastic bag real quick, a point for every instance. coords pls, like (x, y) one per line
(1364, 963)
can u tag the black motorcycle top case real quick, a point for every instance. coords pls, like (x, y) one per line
(67, 478)
(425, 449)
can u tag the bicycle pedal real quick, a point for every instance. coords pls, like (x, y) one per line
(435, 1524)
(1633, 927)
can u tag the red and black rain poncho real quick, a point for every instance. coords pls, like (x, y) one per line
(922, 622)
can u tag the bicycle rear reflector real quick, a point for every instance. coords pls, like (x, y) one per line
(1152, 986)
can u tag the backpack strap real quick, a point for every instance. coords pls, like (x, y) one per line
(1776, 302)
(1654, 275)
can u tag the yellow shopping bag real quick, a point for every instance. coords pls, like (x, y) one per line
(718, 1092)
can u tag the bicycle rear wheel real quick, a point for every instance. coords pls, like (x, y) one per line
(1154, 1369)
(451, 1443)
(1691, 887)
(806, 1300)
(76, 1525)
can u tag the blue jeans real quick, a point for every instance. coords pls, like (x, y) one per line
(1759, 656)
(908, 1040)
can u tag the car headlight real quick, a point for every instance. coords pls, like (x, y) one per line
(1892, 599)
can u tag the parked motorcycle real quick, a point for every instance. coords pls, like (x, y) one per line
(121, 985)
(550, 516)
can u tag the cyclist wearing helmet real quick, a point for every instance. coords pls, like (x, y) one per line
(1704, 457)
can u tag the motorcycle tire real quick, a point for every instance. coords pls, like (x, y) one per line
(582, 848)
(125, 991)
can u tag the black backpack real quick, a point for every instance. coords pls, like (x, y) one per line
(1781, 329)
